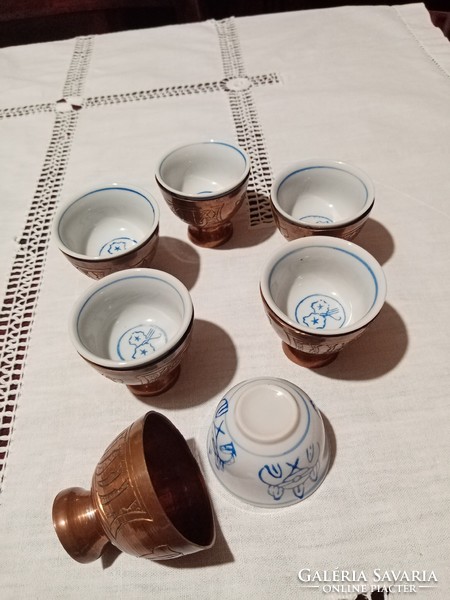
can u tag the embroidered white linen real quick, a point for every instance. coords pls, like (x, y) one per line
(368, 85)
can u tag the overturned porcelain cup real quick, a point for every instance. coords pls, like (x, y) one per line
(267, 444)
(148, 498)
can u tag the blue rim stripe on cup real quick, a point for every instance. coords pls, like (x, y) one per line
(370, 266)
(235, 148)
(120, 280)
(243, 177)
(104, 189)
(324, 167)
(124, 279)
(96, 258)
(229, 146)
(363, 262)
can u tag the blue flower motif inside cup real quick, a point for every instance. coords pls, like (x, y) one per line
(140, 341)
(319, 311)
(315, 219)
(116, 246)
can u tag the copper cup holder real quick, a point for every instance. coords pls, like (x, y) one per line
(148, 498)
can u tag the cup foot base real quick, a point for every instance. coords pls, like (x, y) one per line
(210, 237)
(310, 361)
(161, 385)
(77, 525)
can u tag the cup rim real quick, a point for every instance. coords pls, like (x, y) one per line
(147, 475)
(110, 280)
(317, 163)
(222, 192)
(100, 188)
(348, 247)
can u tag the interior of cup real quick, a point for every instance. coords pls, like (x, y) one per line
(204, 169)
(177, 480)
(321, 288)
(322, 195)
(133, 319)
(106, 222)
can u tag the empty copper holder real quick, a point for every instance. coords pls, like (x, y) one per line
(148, 498)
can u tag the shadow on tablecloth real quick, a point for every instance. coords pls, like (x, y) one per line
(206, 370)
(376, 239)
(178, 258)
(379, 350)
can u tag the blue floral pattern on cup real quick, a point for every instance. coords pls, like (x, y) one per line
(140, 341)
(316, 219)
(318, 311)
(221, 444)
(117, 246)
(291, 476)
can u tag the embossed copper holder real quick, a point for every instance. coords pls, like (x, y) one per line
(107, 229)
(319, 294)
(204, 184)
(134, 327)
(321, 197)
(148, 498)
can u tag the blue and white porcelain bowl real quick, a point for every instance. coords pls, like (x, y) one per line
(134, 327)
(108, 228)
(320, 293)
(267, 443)
(321, 197)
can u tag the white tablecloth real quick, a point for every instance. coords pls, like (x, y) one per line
(368, 85)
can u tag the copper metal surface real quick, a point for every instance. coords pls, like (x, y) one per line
(310, 361)
(208, 218)
(148, 498)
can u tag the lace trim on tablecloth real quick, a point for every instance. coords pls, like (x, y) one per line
(248, 128)
(22, 291)
(434, 60)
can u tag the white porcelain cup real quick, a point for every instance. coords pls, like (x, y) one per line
(321, 197)
(108, 228)
(320, 293)
(203, 169)
(267, 443)
(134, 327)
